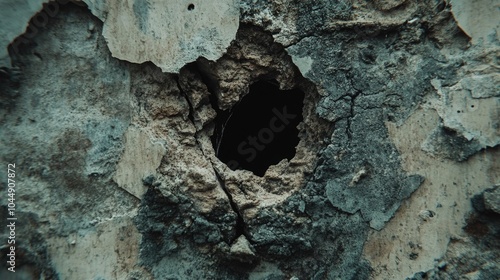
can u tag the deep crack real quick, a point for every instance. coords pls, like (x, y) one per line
(191, 109)
(240, 223)
(240, 226)
(351, 115)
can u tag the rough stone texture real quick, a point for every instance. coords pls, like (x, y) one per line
(386, 5)
(395, 175)
(492, 200)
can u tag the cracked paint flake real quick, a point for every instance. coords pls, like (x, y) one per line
(463, 113)
(167, 33)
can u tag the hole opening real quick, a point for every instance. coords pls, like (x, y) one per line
(260, 130)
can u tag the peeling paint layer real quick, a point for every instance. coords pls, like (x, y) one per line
(477, 19)
(166, 32)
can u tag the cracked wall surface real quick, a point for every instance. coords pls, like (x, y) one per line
(108, 110)
(167, 33)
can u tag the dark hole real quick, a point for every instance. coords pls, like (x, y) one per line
(261, 130)
(191, 7)
(432, 213)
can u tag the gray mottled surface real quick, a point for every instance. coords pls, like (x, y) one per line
(66, 115)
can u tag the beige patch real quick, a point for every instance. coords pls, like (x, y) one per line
(479, 18)
(474, 118)
(408, 243)
(169, 33)
(141, 158)
(110, 251)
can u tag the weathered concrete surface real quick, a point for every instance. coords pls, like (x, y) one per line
(140, 159)
(14, 19)
(478, 19)
(67, 151)
(92, 247)
(168, 33)
(464, 107)
(492, 200)
(473, 254)
(410, 243)
(395, 174)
